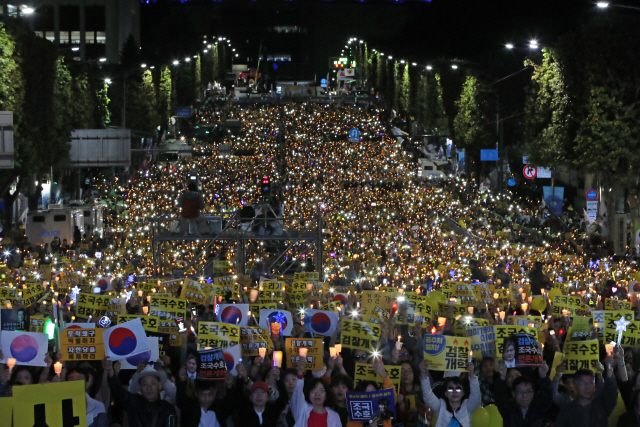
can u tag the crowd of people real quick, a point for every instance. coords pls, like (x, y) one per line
(385, 232)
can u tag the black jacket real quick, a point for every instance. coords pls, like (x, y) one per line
(244, 415)
(140, 412)
(511, 412)
(629, 419)
(596, 414)
(190, 412)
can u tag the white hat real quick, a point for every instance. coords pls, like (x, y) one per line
(148, 370)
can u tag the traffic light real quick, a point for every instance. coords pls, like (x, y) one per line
(265, 187)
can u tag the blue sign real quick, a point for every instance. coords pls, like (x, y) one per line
(323, 81)
(592, 195)
(511, 182)
(489, 155)
(554, 198)
(183, 112)
(354, 135)
(371, 407)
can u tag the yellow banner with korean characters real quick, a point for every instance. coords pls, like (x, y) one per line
(446, 353)
(566, 304)
(195, 292)
(271, 290)
(630, 337)
(309, 276)
(418, 309)
(253, 338)
(167, 309)
(92, 305)
(255, 309)
(314, 352)
(465, 294)
(600, 317)
(36, 323)
(149, 323)
(359, 335)
(82, 344)
(616, 304)
(504, 332)
(365, 372)
(581, 355)
(217, 334)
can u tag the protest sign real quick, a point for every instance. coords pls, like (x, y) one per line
(28, 348)
(217, 334)
(601, 316)
(57, 404)
(446, 353)
(371, 407)
(152, 355)
(92, 305)
(527, 352)
(149, 323)
(418, 309)
(580, 328)
(483, 341)
(463, 323)
(309, 276)
(222, 286)
(16, 319)
(465, 294)
(6, 409)
(234, 314)
(125, 340)
(167, 309)
(531, 321)
(256, 308)
(616, 304)
(630, 336)
(194, 291)
(365, 372)
(332, 306)
(233, 356)
(321, 322)
(359, 335)
(279, 322)
(504, 332)
(581, 355)
(170, 286)
(82, 344)
(36, 323)
(211, 365)
(253, 338)
(271, 291)
(314, 352)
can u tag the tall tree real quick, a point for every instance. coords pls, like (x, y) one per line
(164, 96)
(380, 73)
(395, 85)
(405, 90)
(198, 78)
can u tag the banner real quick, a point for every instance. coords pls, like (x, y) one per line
(465, 294)
(223, 285)
(601, 316)
(446, 353)
(530, 321)
(82, 344)
(630, 337)
(53, 404)
(504, 332)
(359, 335)
(315, 352)
(6, 408)
(580, 329)
(369, 300)
(36, 323)
(279, 322)
(211, 365)
(616, 304)
(170, 286)
(14, 319)
(581, 355)
(418, 309)
(553, 198)
(167, 309)
(483, 341)
(271, 290)
(253, 338)
(28, 348)
(152, 355)
(365, 372)
(124, 340)
(256, 308)
(92, 305)
(310, 276)
(527, 351)
(321, 322)
(371, 407)
(234, 314)
(149, 323)
(216, 334)
(195, 292)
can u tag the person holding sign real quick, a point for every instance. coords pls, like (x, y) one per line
(204, 410)
(311, 402)
(456, 409)
(527, 408)
(145, 409)
(586, 410)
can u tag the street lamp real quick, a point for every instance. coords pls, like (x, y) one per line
(28, 10)
(509, 45)
(454, 66)
(143, 65)
(602, 4)
(533, 44)
(176, 62)
(107, 81)
(103, 60)
(429, 67)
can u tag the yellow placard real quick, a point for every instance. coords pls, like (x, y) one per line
(536, 321)
(217, 334)
(149, 323)
(365, 372)
(36, 323)
(630, 337)
(195, 292)
(223, 287)
(52, 404)
(465, 294)
(170, 286)
(616, 304)
(314, 352)
(418, 309)
(255, 309)
(446, 353)
(298, 286)
(82, 344)
(146, 286)
(332, 306)
(483, 341)
(371, 299)
(461, 324)
(581, 355)
(557, 360)
(504, 332)
(253, 338)
(600, 317)
(92, 305)
(484, 293)
(313, 275)
(359, 335)
(566, 302)
(6, 408)
(167, 309)
(297, 297)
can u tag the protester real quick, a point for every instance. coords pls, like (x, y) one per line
(311, 402)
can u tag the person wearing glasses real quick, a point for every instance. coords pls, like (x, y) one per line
(527, 409)
(587, 410)
(456, 409)
(311, 402)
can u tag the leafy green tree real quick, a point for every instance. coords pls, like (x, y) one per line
(82, 107)
(198, 78)
(164, 96)
(429, 107)
(471, 125)
(395, 84)
(366, 64)
(142, 115)
(380, 73)
(101, 117)
(405, 90)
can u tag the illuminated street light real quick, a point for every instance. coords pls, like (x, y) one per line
(509, 46)
(103, 59)
(176, 62)
(602, 4)
(454, 66)
(143, 65)
(429, 67)
(28, 10)
(533, 44)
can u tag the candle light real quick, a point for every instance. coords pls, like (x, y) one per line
(262, 351)
(309, 286)
(11, 362)
(502, 313)
(140, 293)
(524, 306)
(338, 348)
(57, 367)
(609, 349)
(302, 351)
(277, 359)
(253, 295)
(399, 343)
(470, 356)
(470, 310)
(332, 352)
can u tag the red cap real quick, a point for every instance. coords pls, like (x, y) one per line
(257, 385)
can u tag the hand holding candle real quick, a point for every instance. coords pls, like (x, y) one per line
(57, 367)
(11, 362)
(338, 348)
(277, 359)
(262, 351)
(399, 343)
